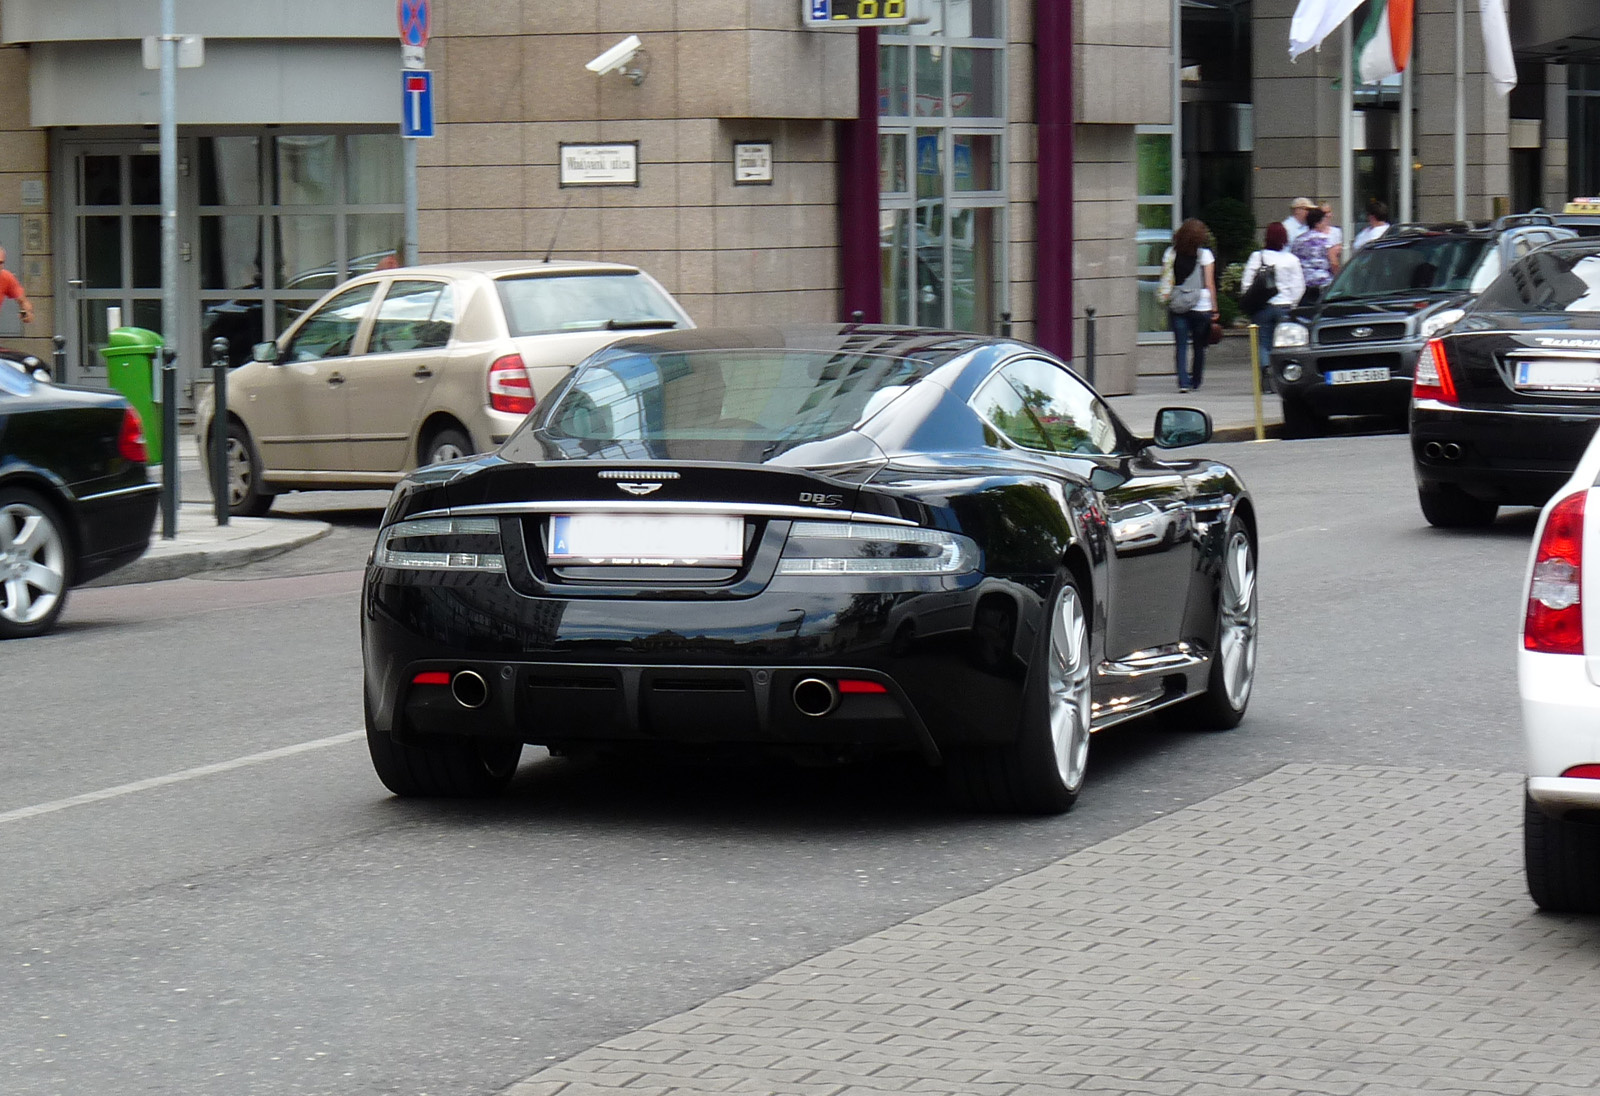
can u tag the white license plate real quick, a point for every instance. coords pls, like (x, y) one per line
(1357, 376)
(1558, 375)
(670, 539)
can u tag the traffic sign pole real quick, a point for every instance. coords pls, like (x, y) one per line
(415, 20)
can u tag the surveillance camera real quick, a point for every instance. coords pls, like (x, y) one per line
(616, 57)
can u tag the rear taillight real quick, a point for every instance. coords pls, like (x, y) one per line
(1433, 380)
(1583, 772)
(130, 439)
(1555, 612)
(510, 390)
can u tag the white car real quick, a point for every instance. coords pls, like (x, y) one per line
(1558, 677)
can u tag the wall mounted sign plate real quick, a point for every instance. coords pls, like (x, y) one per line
(600, 165)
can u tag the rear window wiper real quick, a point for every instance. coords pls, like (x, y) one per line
(639, 325)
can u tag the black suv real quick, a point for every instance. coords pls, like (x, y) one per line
(1355, 351)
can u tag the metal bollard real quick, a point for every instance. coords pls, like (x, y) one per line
(1005, 325)
(1088, 345)
(858, 316)
(58, 359)
(219, 427)
(169, 443)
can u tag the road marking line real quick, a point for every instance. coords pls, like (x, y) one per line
(178, 777)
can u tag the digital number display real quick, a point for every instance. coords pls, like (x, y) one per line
(856, 13)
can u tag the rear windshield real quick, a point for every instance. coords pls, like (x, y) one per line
(1547, 281)
(1430, 264)
(780, 398)
(584, 302)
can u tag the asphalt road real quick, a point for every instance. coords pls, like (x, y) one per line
(207, 890)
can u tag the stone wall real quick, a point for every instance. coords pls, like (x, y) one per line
(25, 204)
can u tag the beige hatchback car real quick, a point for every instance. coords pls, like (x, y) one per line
(406, 367)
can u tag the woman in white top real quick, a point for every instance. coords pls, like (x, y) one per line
(1291, 281)
(1189, 290)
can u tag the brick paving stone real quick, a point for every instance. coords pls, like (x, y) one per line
(1341, 931)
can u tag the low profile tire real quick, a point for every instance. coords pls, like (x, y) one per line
(446, 444)
(1447, 506)
(1299, 421)
(246, 498)
(1042, 771)
(33, 564)
(1562, 859)
(1233, 661)
(472, 768)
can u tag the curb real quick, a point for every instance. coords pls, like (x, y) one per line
(1272, 432)
(157, 565)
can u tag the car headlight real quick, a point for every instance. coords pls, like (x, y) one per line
(1289, 335)
(1441, 320)
(854, 548)
(442, 544)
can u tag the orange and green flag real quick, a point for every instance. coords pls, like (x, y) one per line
(1384, 45)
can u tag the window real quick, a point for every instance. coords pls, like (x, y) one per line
(414, 315)
(1002, 408)
(588, 302)
(332, 329)
(1070, 415)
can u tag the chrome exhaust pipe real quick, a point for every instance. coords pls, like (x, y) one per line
(469, 689)
(1432, 450)
(1452, 451)
(815, 697)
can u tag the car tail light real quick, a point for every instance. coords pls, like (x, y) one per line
(857, 685)
(431, 677)
(442, 544)
(1555, 612)
(1584, 772)
(851, 548)
(130, 439)
(510, 390)
(1433, 380)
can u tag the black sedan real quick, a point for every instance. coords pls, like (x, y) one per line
(1505, 403)
(822, 541)
(75, 502)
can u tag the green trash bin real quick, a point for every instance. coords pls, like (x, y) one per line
(130, 356)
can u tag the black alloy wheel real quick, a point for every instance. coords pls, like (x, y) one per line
(469, 768)
(34, 562)
(1562, 859)
(1299, 421)
(1447, 506)
(1233, 655)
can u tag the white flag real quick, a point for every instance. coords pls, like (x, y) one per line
(1497, 46)
(1314, 20)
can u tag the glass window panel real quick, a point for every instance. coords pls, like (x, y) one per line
(414, 315)
(1073, 417)
(930, 81)
(1155, 163)
(974, 18)
(102, 181)
(331, 330)
(1003, 409)
(230, 170)
(930, 163)
(373, 169)
(92, 331)
(974, 83)
(974, 268)
(893, 90)
(304, 170)
(144, 180)
(239, 321)
(307, 259)
(977, 161)
(102, 252)
(230, 252)
(894, 235)
(930, 264)
(284, 313)
(1156, 215)
(372, 238)
(891, 163)
(146, 313)
(146, 240)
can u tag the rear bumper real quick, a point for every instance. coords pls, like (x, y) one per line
(1502, 456)
(1561, 724)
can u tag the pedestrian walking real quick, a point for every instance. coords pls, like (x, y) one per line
(1295, 223)
(1312, 249)
(10, 287)
(1377, 225)
(1336, 252)
(1189, 290)
(1281, 284)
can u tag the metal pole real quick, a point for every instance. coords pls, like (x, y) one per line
(1177, 114)
(1461, 110)
(409, 145)
(58, 359)
(219, 427)
(1088, 345)
(1255, 380)
(169, 267)
(1347, 137)
(1406, 181)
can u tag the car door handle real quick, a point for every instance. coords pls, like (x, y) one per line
(422, 373)
(335, 378)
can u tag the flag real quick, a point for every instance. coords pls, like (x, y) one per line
(1497, 46)
(1314, 20)
(1384, 45)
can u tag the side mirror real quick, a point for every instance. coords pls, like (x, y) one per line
(264, 352)
(1180, 426)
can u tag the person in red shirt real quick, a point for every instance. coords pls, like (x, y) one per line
(11, 287)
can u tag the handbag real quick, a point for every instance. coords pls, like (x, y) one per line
(1262, 289)
(1215, 335)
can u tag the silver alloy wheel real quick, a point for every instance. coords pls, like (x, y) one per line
(239, 471)
(446, 450)
(1069, 686)
(33, 563)
(1236, 638)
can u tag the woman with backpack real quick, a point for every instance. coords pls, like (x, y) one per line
(1189, 290)
(1273, 283)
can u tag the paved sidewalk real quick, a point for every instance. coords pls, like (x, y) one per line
(1226, 393)
(1322, 930)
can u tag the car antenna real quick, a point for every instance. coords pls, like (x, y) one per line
(557, 230)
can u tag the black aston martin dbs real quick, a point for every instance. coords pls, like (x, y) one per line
(822, 540)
